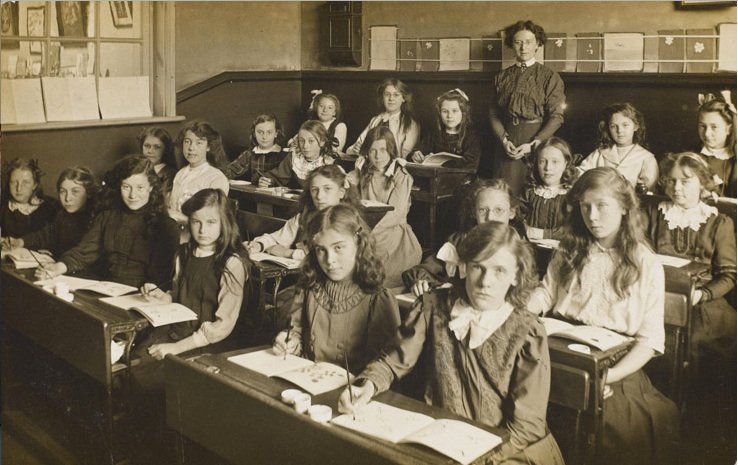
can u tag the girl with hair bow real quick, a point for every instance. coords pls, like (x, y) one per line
(717, 118)
(326, 108)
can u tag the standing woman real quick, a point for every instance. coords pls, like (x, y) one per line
(527, 104)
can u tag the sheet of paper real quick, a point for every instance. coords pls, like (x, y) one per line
(70, 98)
(727, 47)
(73, 282)
(318, 378)
(7, 102)
(124, 97)
(28, 100)
(454, 54)
(384, 421)
(83, 97)
(675, 262)
(268, 363)
(456, 439)
(383, 48)
(372, 203)
(623, 51)
(127, 301)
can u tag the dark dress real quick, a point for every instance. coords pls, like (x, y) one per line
(65, 232)
(166, 175)
(16, 224)
(252, 164)
(526, 105)
(545, 211)
(441, 141)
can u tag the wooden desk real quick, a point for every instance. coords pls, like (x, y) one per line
(77, 336)
(265, 203)
(236, 414)
(433, 186)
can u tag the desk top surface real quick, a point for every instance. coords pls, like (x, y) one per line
(292, 198)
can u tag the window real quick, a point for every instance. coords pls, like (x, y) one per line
(82, 54)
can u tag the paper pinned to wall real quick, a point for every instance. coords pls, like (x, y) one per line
(124, 97)
(70, 98)
(623, 51)
(454, 54)
(26, 100)
(383, 50)
(727, 47)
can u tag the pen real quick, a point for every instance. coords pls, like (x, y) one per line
(286, 340)
(348, 378)
(157, 287)
(39, 264)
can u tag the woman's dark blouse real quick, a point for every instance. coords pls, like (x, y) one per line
(65, 232)
(128, 254)
(441, 141)
(16, 224)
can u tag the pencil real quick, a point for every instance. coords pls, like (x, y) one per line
(348, 378)
(40, 265)
(286, 340)
(157, 287)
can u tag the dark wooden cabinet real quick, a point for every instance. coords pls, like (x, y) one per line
(342, 39)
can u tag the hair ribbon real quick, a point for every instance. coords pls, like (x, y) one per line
(314, 93)
(462, 93)
(728, 102)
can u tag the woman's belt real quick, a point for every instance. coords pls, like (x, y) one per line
(514, 120)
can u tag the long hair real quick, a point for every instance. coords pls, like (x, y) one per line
(570, 174)
(336, 174)
(216, 156)
(577, 239)
(126, 167)
(485, 240)
(320, 133)
(373, 135)
(605, 139)
(406, 110)
(227, 245)
(513, 29)
(22, 164)
(84, 177)
(167, 143)
(454, 95)
(725, 112)
(368, 271)
(280, 136)
(696, 164)
(313, 110)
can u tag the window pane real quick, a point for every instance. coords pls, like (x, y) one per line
(72, 60)
(120, 20)
(22, 59)
(120, 60)
(72, 19)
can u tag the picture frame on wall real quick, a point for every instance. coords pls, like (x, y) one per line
(10, 22)
(703, 4)
(122, 13)
(71, 17)
(35, 25)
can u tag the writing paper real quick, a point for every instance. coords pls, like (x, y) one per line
(727, 47)
(70, 98)
(124, 97)
(453, 54)
(623, 51)
(383, 48)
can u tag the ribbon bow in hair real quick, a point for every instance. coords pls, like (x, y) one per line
(704, 98)
(315, 93)
(462, 93)
(450, 257)
(728, 102)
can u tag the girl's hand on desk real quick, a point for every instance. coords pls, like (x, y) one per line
(418, 157)
(361, 396)
(50, 271)
(159, 351)
(152, 293)
(293, 346)
(298, 254)
(254, 247)
(420, 288)
(10, 243)
(264, 181)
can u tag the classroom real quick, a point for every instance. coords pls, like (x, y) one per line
(88, 87)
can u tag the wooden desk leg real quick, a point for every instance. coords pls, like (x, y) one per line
(432, 221)
(262, 300)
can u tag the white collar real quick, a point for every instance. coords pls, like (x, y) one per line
(327, 124)
(481, 324)
(678, 217)
(550, 192)
(392, 167)
(387, 117)
(26, 208)
(202, 167)
(528, 63)
(719, 154)
(273, 148)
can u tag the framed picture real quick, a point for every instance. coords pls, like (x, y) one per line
(122, 14)
(703, 4)
(9, 16)
(35, 25)
(71, 17)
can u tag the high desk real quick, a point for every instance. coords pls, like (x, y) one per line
(237, 414)
(73, 340)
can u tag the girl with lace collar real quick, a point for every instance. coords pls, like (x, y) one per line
(717, 119)
(313, 149)
(605, 274)
(686, 226)
(485, 356)
(552, 174)
(24, 208)
(341, 309)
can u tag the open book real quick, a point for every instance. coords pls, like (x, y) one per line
(23, 258)
(456, 439)
(158, 314)
(675, 262)
(438, 159)
(108, 288)
(315, 378)
(289, 263)
(595, 336)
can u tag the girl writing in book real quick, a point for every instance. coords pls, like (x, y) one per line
(24, 208)
(202, 148)
(485, 200)
(605, 274)
(210, 273)
(552, 175)
(395, 102)
(622, 137)
(265, 154)
(487, 356)
(157, 146)
(133, 241)
(341, 308)
(326, 108)
(527, 103)
(687, 227)
(453, 133)
(77, 194)
(383, 178)
(313, 150)
(717, 118)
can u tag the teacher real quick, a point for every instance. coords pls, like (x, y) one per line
(527, 104)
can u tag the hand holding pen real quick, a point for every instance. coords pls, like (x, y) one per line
(152, 292)
(287, 342)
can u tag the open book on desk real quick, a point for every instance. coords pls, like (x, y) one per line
(315, 378)
(23, 258)
(289, 263)
(158, 314)
(455, 439)
(676, 262)
(108, 288)
(438, 159)
(595, 336)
